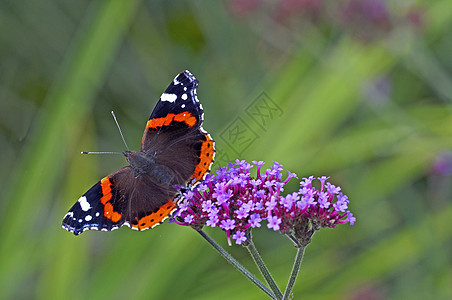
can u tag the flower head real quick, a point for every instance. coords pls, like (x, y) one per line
(235, 201)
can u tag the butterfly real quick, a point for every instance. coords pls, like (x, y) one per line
(175, 151)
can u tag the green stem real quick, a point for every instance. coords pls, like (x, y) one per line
(295, 269)
(294, 240)
(262, 267)
(236, 264)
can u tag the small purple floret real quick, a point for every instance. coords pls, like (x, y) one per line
(189, 219)
(227, 224)
(255, 220)
(239, 237)
(350, 218)
(273, 223)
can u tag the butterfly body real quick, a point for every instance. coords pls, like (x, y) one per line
(175, 151)
(142, 163)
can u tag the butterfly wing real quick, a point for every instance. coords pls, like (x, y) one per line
(174, 132)
(121, 199)
(94, 210)
(175, 138)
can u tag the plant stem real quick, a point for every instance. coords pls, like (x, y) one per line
(293, 239)
(295, 269)
(262, 268)
(236, 264)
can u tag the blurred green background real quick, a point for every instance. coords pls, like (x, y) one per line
(362, 91)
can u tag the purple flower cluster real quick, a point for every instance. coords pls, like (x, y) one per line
(236, 202)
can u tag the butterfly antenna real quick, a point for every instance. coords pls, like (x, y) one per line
(117, 124)
(84, 152)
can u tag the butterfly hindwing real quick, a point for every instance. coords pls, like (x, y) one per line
(94, 210)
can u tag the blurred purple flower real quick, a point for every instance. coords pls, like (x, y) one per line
(243, 7)
(366, 19)
(378, 91)
(443, 164)
(374, 11)
(288, 9)
(415, 17)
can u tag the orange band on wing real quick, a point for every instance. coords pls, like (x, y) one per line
(106, 184)
(109, 213)
(106, 190)
(185, 117)
(156, 218)
(206, 158)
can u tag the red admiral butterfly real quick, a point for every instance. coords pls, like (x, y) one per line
(175, 150)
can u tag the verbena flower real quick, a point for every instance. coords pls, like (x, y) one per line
(236, 202)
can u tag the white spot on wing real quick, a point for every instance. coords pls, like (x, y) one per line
(97, 214)
(184, 97)
(88, 218)
(70, 214)
(183, 106)
(168, 97)
(84, 203)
